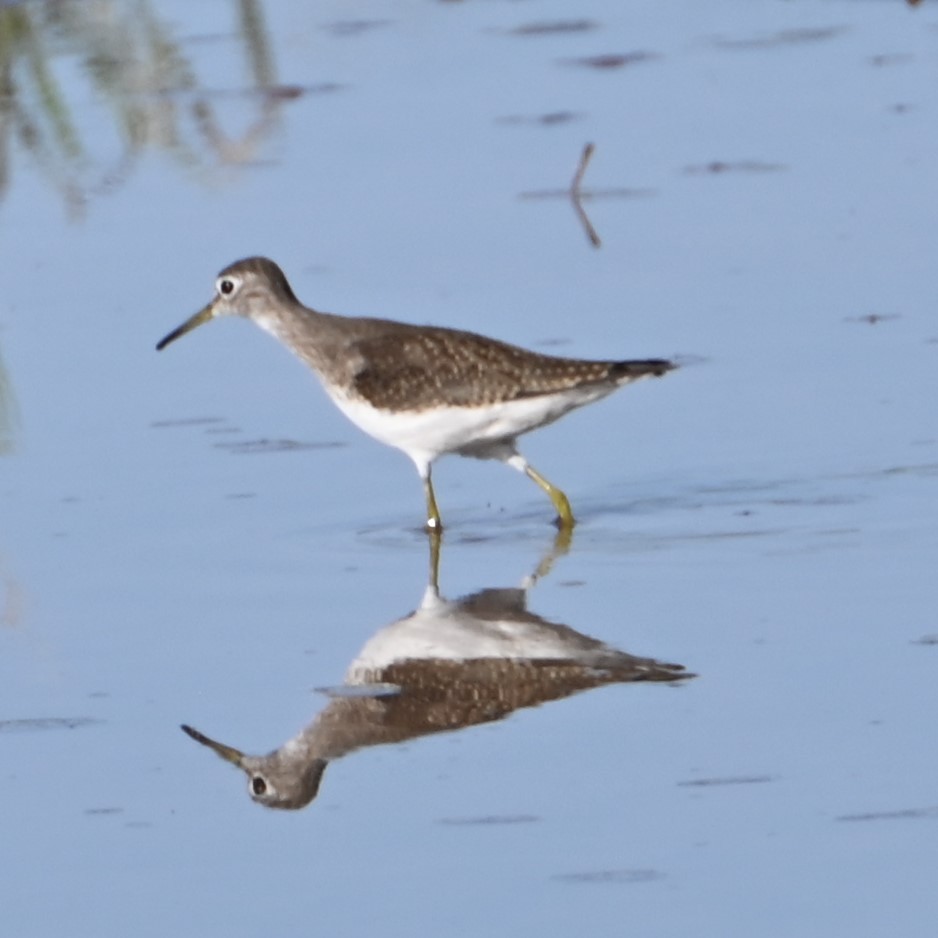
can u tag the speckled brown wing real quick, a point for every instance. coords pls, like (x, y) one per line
(413, 369)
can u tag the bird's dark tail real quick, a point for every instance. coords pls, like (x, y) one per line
(640, 368)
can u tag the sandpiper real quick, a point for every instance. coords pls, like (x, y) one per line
(426, 390)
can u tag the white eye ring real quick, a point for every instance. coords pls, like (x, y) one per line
(227, 286)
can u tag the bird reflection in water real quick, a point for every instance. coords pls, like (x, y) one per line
(450, 664)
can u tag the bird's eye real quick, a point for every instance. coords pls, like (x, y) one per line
(226, 287)
(258, 785)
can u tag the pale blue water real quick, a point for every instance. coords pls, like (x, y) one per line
(765, 516)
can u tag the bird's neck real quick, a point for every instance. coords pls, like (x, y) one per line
(304, 331)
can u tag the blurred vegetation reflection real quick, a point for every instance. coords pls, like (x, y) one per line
(447, 666)
(9, 413)
(87, 88)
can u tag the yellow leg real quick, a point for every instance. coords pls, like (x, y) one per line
(565, 519)
(434, 521)
(435, 536)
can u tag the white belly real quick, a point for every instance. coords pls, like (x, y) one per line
(485, 432)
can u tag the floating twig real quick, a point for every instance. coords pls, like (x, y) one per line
(585, 157)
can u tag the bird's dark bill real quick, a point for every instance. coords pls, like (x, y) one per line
(203, 315)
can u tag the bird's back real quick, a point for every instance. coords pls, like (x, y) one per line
(402, 367)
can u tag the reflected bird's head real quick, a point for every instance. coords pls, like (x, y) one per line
(252, 288)
(282, 779)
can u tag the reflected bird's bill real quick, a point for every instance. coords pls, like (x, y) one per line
(228, 753)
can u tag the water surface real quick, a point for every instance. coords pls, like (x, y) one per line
(198, 537)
